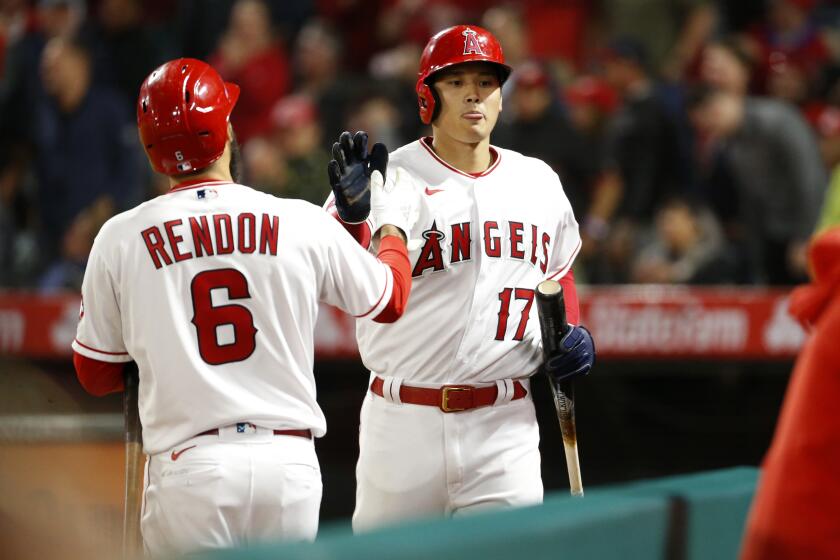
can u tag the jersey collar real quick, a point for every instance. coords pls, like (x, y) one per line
(195, 183)
(426, 142)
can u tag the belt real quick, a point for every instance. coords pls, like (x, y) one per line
(450, 398)
(299, 433)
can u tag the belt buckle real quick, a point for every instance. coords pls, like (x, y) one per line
(444, 397)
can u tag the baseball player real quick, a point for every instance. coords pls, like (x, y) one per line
(213, 289)
(448, 425)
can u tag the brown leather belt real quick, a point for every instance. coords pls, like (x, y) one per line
(450, 398)
(299, 433)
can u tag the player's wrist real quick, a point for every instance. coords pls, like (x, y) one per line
(393, 231)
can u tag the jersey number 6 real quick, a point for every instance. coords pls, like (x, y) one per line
(209, 318)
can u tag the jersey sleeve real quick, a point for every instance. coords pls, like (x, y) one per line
(99, 333)
(567, 237)
(352, 279)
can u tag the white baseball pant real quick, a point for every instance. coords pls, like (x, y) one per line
(418, 461)
(229, 490)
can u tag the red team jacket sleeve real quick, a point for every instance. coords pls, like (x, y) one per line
(570, 298)
(392, 252)
(98, 378)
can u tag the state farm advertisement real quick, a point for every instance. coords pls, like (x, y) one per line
(628, 322)
(681, 322)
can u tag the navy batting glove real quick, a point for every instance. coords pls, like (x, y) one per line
(577, 358)
(349, 172)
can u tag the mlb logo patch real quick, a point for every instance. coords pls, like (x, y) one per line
(206, 194)
(245, 428)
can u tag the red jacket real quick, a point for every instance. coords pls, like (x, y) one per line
(796, 510)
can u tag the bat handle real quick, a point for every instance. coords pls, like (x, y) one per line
(564, 402)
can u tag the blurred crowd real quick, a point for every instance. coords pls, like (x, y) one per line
(699, 141)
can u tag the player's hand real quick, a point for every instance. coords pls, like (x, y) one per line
(576, 358)
(394, 201)
(350, 171)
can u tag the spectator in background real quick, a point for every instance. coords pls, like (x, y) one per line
(823, 113)
(640, 167)
(540, 129)
(298, 134)
(394, 72)
(317, 58)
(507, 23)
(16, 19)
(249, 55)
(378, 115)
(687, 248)
(726, 65)
(86, 148)
(590, 103)
(357, 23)
(21, 83)
(200, 24)
(672, 31)
(124, 49)
(68, 271)
(290, 161)
(778, 177)
(788, 46)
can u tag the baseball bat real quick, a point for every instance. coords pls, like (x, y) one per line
(133, 465)
(552, 312)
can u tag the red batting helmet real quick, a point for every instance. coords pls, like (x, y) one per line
(462, 43)
(183, 113)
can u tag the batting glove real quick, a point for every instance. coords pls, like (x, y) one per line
(394, 201)
(577, 355)
(350, 171)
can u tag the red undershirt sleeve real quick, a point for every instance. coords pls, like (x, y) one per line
(570, 297)
(98, 378)
(392, 252)
(360, 232)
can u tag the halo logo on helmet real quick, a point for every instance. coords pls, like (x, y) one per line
(471, 45)
(451, 46)
(182, 115)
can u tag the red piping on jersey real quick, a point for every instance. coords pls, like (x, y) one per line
(196, 183)
(567, 263)
(425, 143)
(375, 305)
(98, 378)
(101, 351)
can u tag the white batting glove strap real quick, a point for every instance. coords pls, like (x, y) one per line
(394, 201)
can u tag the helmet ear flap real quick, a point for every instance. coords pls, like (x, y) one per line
(427, 100)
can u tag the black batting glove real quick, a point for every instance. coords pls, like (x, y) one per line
(349, 173)
(576, 357)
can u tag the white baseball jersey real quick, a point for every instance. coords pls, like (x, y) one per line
(486, 242)
(213, 290)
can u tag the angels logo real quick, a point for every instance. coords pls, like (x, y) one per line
(471, 44)
(431, 255)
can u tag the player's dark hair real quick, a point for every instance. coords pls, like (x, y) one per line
(236, 167)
